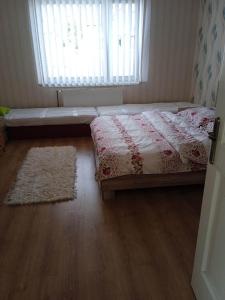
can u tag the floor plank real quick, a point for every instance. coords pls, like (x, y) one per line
(139, 246)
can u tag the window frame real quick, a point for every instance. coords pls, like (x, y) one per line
(40, 55)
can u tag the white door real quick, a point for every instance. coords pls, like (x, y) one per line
(208, 278)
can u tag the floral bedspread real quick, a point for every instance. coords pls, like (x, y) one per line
(148, 143)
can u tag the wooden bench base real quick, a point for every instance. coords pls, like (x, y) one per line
(48, 131)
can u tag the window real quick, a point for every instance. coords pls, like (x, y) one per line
(87, 42)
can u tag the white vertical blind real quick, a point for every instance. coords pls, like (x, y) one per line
(87, 42)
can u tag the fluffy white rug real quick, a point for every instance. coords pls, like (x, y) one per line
(47, 174)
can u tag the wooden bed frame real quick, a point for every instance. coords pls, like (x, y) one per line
(109, 186)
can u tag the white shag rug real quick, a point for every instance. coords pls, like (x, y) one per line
(47, 174)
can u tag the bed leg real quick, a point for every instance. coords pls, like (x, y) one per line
(108, 195)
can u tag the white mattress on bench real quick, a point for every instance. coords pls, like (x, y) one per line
(50, 116)
(82, 115)
(130, 109)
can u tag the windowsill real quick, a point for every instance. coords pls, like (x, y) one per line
(89, 86)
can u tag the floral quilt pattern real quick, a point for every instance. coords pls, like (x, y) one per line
(143, 144)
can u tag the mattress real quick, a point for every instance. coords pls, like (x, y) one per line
(82, 115)
(147, 143)
(111, 110)
(131, 109)
(50, 116)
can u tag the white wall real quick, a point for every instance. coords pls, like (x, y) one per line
(173, 36)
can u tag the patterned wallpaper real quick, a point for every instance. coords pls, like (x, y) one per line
(210, 51)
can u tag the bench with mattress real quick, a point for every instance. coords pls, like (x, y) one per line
(50, 122)
(130, 109)
(72, 121)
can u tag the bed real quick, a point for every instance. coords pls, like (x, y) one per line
(151, 149)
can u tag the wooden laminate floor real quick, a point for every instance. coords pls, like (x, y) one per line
(140, 246)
